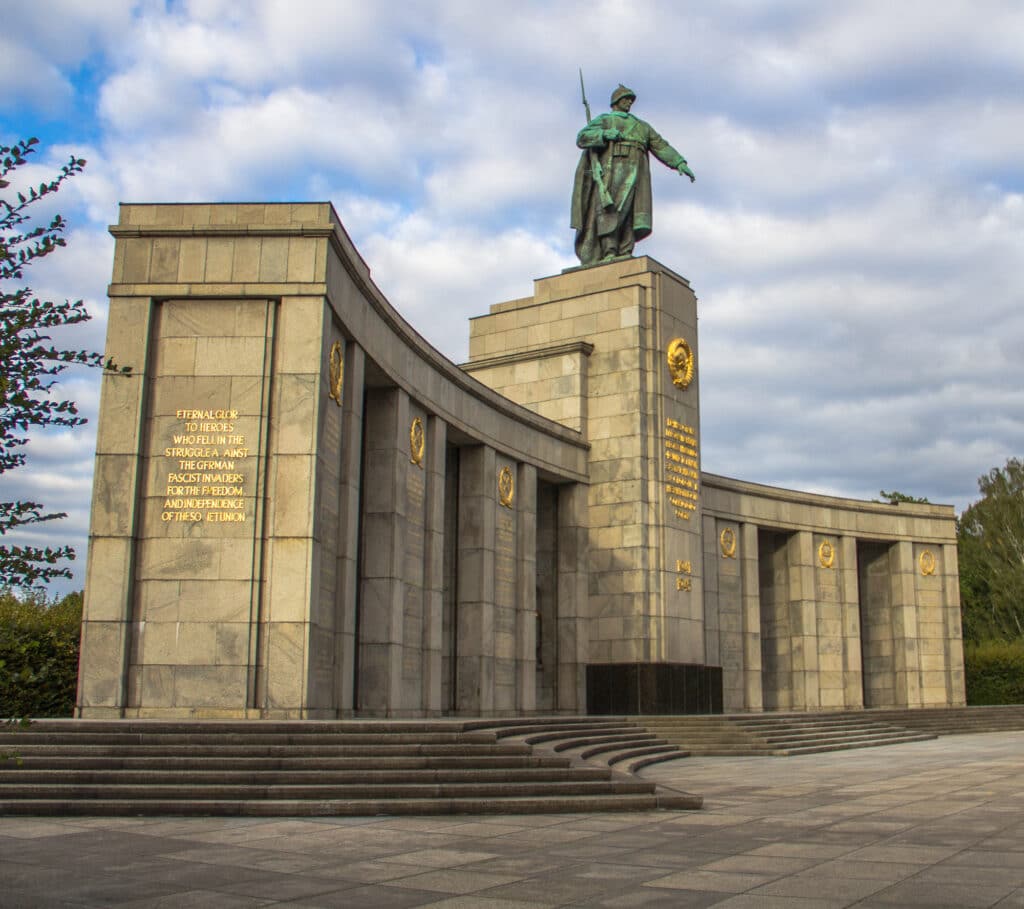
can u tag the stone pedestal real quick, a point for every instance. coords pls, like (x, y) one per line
(612, 350)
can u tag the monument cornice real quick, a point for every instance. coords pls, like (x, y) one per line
(885, 521)
(531, 353)
(163, 226)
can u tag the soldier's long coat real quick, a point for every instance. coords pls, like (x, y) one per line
(626, 172)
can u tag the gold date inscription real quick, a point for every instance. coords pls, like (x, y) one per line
(684, 570)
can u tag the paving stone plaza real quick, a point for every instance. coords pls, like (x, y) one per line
(938, 823)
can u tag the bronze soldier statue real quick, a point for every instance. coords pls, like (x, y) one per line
(611, 195)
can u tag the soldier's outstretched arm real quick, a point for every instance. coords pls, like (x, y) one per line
(667, 155)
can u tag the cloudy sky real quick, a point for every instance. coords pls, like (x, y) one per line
(855, 235)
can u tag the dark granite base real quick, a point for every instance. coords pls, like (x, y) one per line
(653, 688)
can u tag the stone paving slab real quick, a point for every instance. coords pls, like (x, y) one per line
(937, 823)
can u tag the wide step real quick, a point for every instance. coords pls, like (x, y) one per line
(304, 769)
(779, 734)
(540, 804)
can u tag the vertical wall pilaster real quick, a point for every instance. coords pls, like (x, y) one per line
(573, 630)
(348, 508)
(713, 606)
(803, 621)
(828, 628)
(546, 594)
(724, 564)
(931, 612)
(433, 579)
(325, 619)
(382, 597)
(954, 642)
(526, 589)
(475, 614)
(753, 693)
(107, 613)
(849, 592)
(906, 657)
(506, 576)
(293, 551)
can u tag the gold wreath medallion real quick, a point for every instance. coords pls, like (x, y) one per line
(417, 442)
(826, 554)
(680, 363)
(506, 487)
(727, 542)
(926, 561)
(336, 372)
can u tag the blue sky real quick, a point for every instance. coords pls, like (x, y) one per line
(854, 236)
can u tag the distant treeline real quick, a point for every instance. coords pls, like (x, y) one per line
(39, 641)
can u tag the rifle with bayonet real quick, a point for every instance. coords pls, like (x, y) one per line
(595, 163)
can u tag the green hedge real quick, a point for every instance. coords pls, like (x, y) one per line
(38, 655)
(994, 672)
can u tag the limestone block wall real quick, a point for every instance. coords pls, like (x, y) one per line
(303, 510)
(267, 538)
(204, 464)
(551, 379)
(816, 603)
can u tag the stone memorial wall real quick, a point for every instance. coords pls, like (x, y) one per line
(303, 510)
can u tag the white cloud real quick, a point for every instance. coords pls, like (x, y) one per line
(854, 234)
(42, 46)
(438, 275)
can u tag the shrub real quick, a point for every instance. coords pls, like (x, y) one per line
(994, 672)
(38, 655)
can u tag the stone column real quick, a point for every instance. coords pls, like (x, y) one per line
(413, 567)
(803, 621)
(573, 631)
(547, 596)
(954, 632)
(475, 613)
(326, 619)
(433, 576)
(906, 661)
(294, 553)
(932, 624)
(753, 696)
(526, 589)
(724, 564)
(849, 591)
(350, 472)
(381, 606)
(106, 616)
(713, 605)
(506, 571)
(828, 629)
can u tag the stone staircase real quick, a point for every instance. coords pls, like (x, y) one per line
(810, 733)
(632, 743)
(300, 768)
(626, 744)
(707, 735)
(778, 733)
(956, 720)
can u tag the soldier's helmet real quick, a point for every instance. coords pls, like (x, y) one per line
(622, 92)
